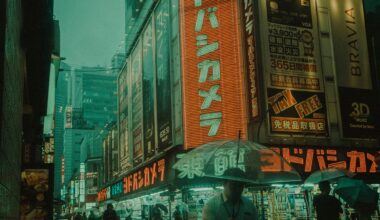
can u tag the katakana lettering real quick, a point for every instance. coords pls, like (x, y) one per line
(210, 96)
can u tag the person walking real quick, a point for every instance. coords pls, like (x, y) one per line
(327, 207)
(129, 212)
(110, 213)
(230, 204)
(91, 216)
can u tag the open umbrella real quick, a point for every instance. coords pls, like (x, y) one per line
(328, 174)
(356, 193)
(261, 164)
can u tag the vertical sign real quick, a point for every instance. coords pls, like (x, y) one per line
(68, 117)
(213, 100)
(123, 119)
(350, 44)
(249, 54)
(136, 76)
(148, 92)
(356, 97)
(292, 67)
(163, 81)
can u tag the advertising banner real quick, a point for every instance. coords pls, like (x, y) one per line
(295, 93)
(123, 119)
(163, 80)
(358, 110)
(350, 44)
(148, 93)
(293, 111)
(304, 159)
(356, 97)
(152, 175)
(310, 159)
(213, 96)
(137, 104)
(249, 54)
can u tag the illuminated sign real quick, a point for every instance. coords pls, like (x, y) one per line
(147, 177)
(292, 67)
(294, 111)
(214, 102)
(117, 189)
(311, 159)
(304, 160)
(350, 44)
(62, 170)
(249, 51)
(104, 194)
(154, 174)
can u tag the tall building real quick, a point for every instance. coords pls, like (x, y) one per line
(88, 104)
(61, 96)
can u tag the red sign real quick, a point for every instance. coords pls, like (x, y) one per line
(214, 102)
(306, 160)
(144, 178)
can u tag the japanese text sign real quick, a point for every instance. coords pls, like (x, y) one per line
(213, 99)
(151, 175)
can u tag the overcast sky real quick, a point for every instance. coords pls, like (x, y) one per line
(91, 30)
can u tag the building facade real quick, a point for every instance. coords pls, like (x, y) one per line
(273, 72)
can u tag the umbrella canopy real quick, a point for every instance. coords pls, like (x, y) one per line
(328, 174)
(260, 164)
(356, 193)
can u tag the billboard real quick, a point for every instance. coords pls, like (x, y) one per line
(358, 112)
(291, 64)
(124, 131)
(350, 44)
(148, 92)
(248, 18)
(163, 80)
(136, 103)
(356, 97)
(300, 112)
(213, 95)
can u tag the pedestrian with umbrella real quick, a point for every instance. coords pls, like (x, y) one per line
(260, 164)
(329, 174)
(327, 207)
(358, 195)
(230, 205)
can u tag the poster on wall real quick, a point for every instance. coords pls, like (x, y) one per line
(163, 80)
(148, 93)
(123, 119)
(36, 194)
(136, 104)
(292, 66)
(358, 111)
(292, 111)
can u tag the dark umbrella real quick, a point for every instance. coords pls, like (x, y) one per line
(329, 174)
(356, 193)
(260, 164)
